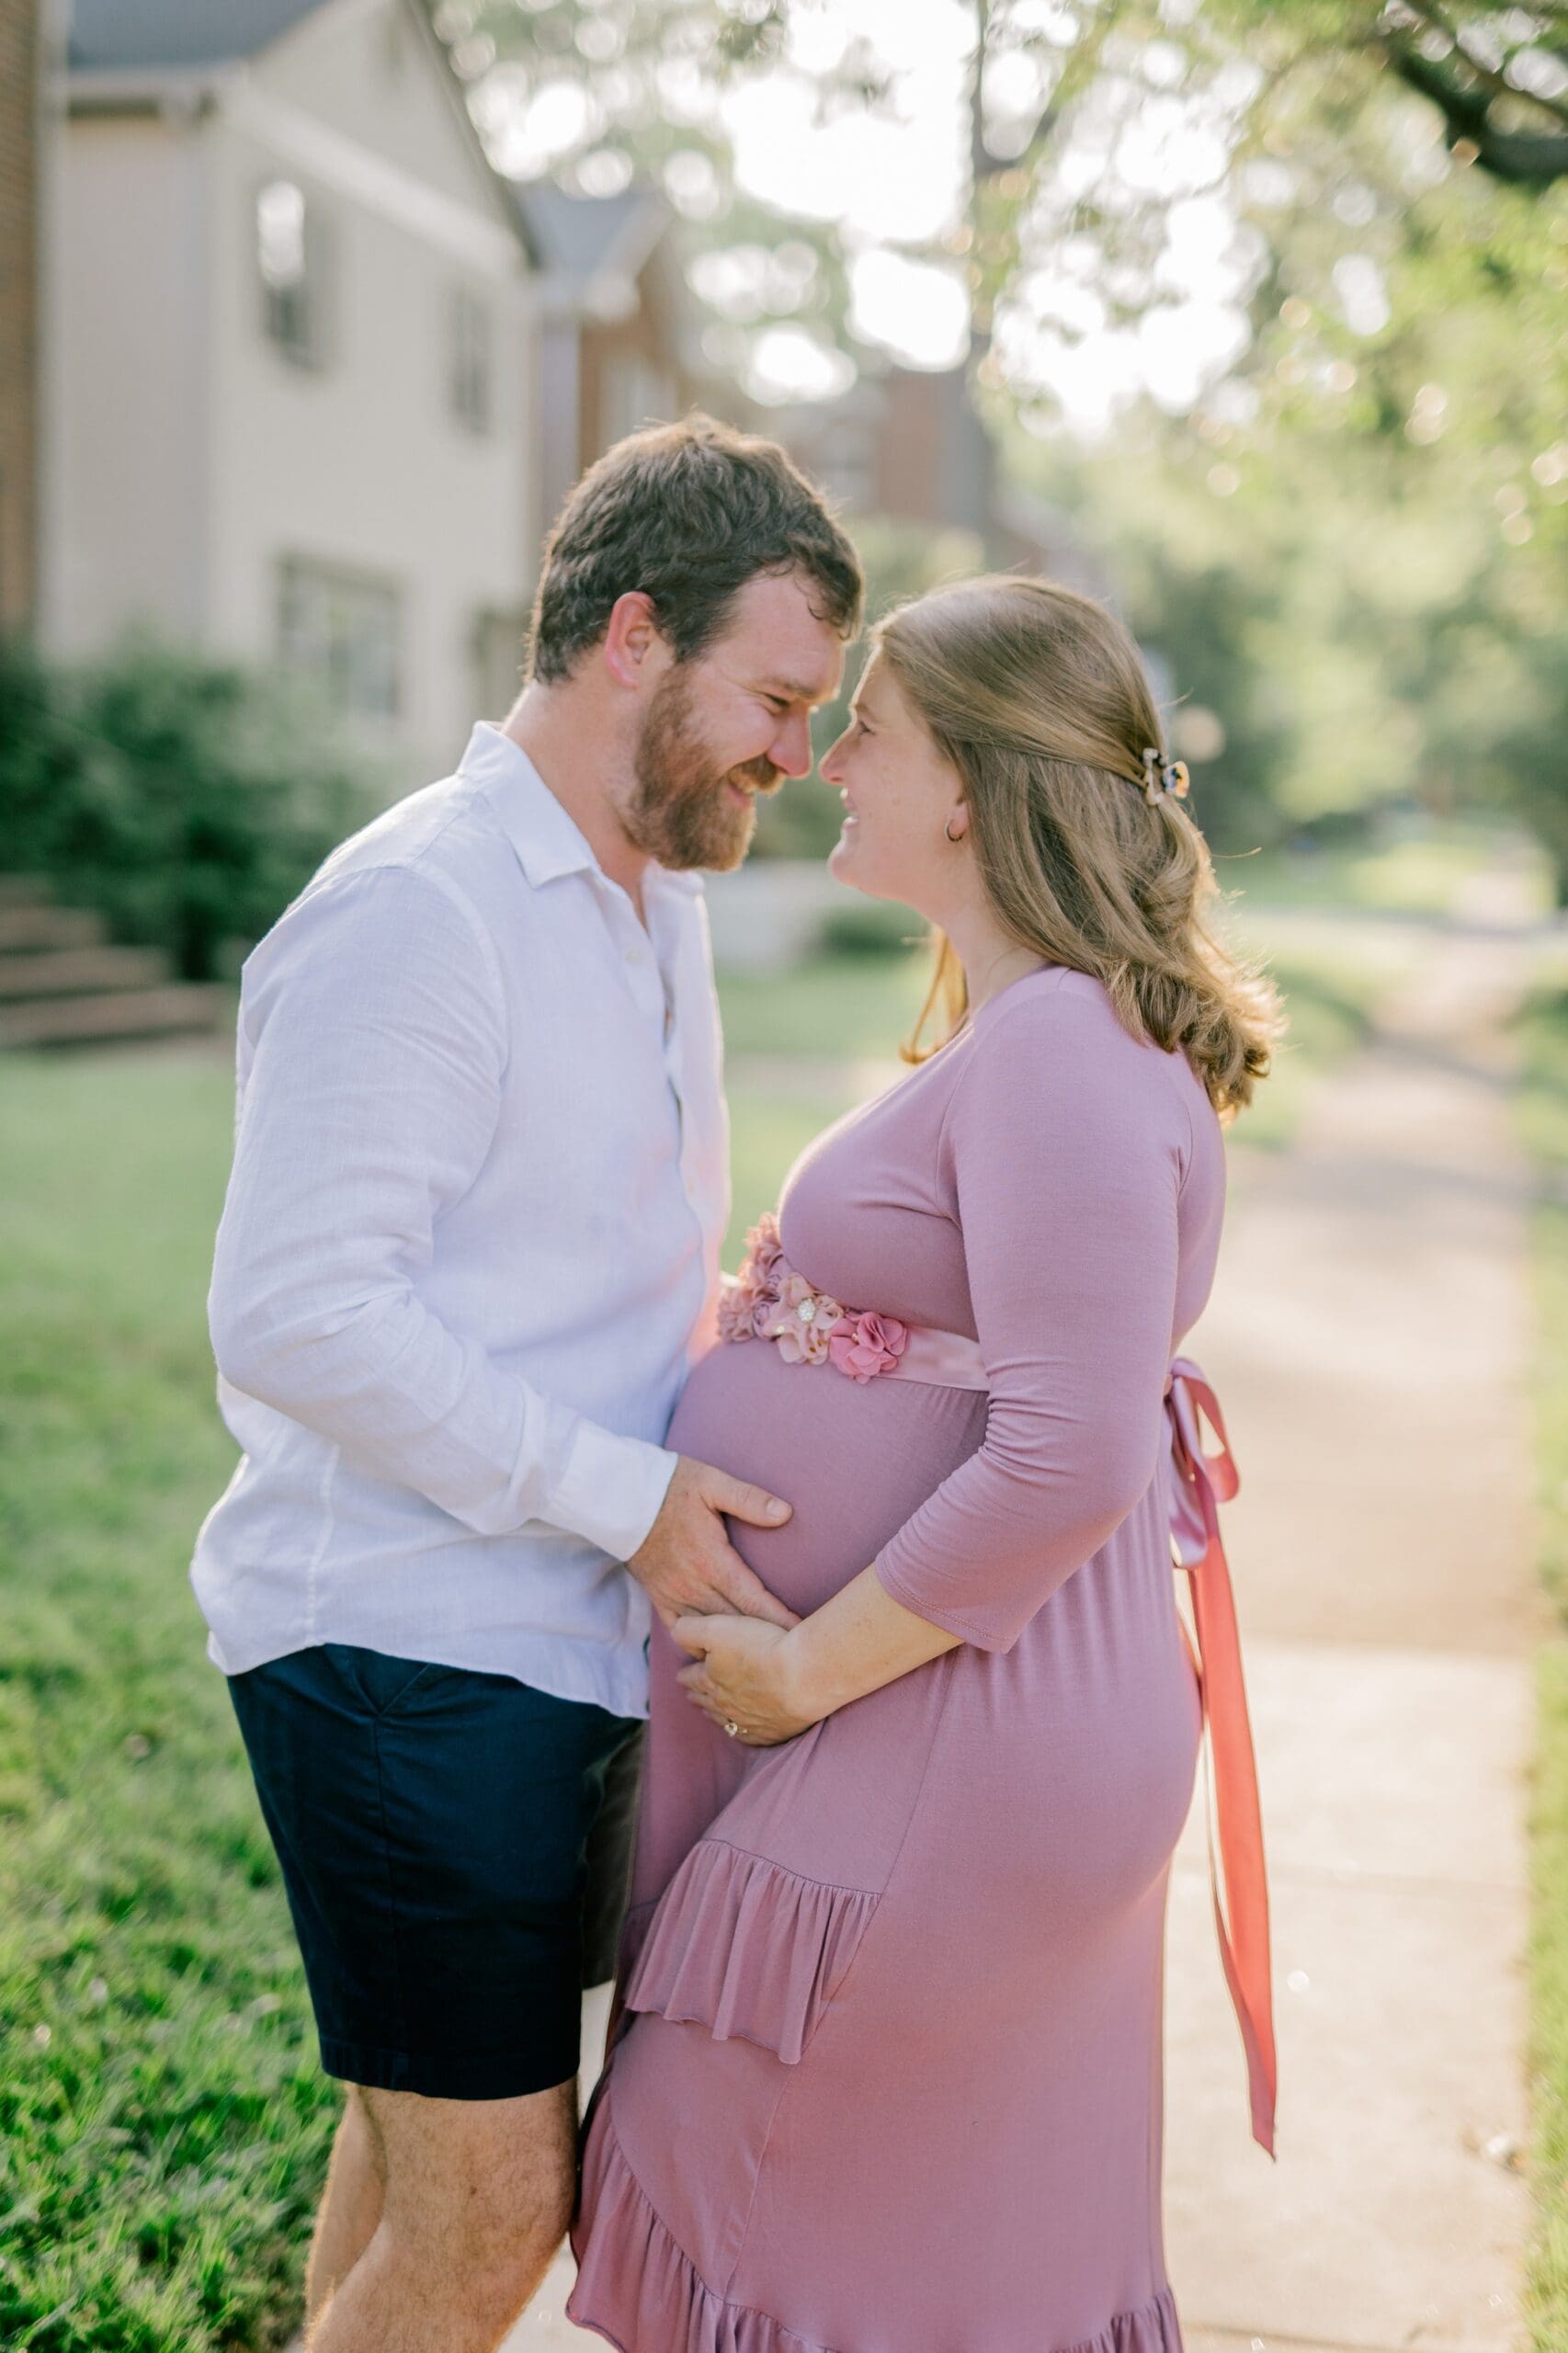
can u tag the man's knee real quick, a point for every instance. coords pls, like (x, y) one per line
(482, 2192)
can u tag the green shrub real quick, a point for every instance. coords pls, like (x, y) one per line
(874, 927)
(187, 801)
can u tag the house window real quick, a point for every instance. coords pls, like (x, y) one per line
(342, 630)
(471, 361)
(497, 645)
(290, 264)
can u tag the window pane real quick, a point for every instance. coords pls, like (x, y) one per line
(287, 260)
(342, 630)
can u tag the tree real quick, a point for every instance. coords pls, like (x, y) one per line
(1375, 470)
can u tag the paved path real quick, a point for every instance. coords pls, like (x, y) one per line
(1368, 1338)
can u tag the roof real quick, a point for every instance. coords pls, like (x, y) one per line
(124, 55)
(580, 239)
(111, 36)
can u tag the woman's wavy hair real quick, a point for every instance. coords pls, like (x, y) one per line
(1038, 698)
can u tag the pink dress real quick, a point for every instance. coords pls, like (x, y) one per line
(890, 2076)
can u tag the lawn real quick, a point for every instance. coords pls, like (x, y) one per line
(163, 2126)
(1430, 866)
(162, 2120)
(1543, 1112)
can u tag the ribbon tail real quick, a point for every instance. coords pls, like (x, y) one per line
(1242, 1920)
(1237, 1876)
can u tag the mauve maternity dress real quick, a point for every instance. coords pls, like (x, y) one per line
(890, 2080)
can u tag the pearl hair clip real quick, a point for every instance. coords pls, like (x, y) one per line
(1162, 776)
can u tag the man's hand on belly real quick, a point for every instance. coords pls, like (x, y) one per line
(687, 1564)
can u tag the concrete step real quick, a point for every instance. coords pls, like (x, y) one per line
(180, 1008)
(80, 972)
(25, 890)
(26, 929)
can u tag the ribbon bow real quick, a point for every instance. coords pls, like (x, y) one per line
(1199, 1483)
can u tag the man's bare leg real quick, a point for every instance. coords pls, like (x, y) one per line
(350, 2207)
(478, 2195)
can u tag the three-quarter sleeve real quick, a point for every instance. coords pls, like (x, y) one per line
(1065, 1140)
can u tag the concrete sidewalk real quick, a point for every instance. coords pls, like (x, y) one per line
(1368, 1339)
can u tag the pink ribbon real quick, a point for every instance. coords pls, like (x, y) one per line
(1199, 1484)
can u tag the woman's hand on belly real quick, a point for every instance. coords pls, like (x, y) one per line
(772, 1686)
(740, 1676)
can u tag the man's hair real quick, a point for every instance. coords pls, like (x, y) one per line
(686, 513)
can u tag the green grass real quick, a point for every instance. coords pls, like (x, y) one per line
(1425, 872)
(836, 1006)
(161, 2120)
(1543, 1117)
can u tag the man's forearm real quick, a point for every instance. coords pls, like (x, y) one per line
(409, 1401)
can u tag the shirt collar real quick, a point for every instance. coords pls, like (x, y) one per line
(548, 842)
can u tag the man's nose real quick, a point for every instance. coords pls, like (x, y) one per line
(791, 749)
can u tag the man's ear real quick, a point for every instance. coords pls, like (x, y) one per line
(632, 644)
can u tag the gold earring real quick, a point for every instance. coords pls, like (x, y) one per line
(954, 839)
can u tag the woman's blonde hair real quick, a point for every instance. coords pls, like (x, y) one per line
(1038, 698)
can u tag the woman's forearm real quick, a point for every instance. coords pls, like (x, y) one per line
(855, 1643)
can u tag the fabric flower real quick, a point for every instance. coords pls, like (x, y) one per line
(865, 1346)
(765, 1250)
(747, 1300)
(737, 1309)
(802, 1322)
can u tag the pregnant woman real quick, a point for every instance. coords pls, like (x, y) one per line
(887, 2073)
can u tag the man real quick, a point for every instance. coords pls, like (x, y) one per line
(469, 1243)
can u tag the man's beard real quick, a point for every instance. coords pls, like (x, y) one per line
(682, 811)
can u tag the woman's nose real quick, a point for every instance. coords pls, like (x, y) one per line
(828, 766)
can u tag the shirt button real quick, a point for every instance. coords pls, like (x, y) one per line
(634, 955)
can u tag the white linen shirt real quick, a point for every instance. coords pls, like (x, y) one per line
(470, 1247)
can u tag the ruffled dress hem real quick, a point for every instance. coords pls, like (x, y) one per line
(745, 1948)
(639, 2290)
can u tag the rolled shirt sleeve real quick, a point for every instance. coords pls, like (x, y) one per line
(1066, 1142)
(378, 1034)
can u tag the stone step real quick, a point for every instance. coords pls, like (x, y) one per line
(80, 972)
(25, 890)
(182, 1008)
(26, 928)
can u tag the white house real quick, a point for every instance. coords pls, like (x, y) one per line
(295, 365)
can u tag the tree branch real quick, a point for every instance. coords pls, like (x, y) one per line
(1497, 82)
(1526, 159)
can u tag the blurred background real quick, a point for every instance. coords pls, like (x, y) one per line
(1246, 318)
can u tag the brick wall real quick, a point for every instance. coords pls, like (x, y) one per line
(18, 310)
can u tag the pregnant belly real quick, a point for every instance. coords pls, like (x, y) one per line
(853, 1461)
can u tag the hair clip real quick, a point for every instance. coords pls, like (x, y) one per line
(1162, 776)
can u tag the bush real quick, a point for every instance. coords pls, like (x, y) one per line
(187, 801)
(874, 927)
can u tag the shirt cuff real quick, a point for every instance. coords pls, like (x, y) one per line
(611, 1489)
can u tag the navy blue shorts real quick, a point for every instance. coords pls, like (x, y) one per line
(456, 1848)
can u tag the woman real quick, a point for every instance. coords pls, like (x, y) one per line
(888, 2075)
